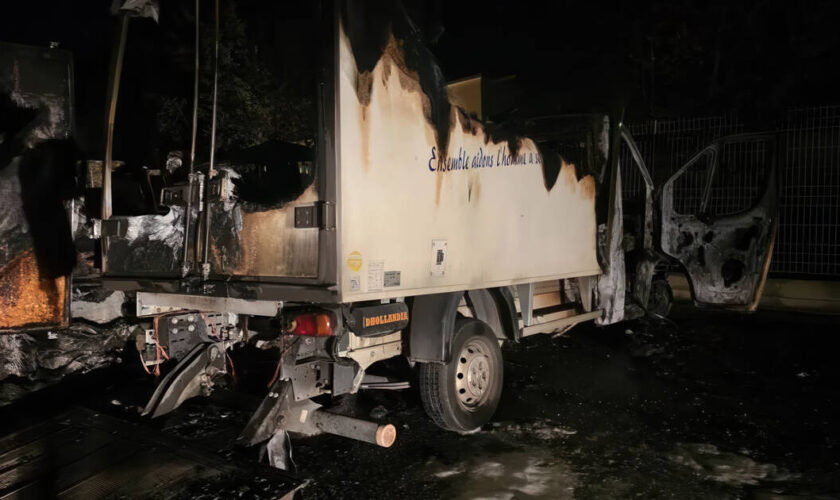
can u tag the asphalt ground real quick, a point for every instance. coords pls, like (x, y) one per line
(707, 405)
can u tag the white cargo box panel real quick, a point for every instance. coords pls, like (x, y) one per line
(420, 214)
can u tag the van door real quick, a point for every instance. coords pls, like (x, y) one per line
(719, 218)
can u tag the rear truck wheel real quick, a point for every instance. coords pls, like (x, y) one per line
(463, 394)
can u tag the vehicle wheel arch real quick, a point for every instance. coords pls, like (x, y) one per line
(432, 320)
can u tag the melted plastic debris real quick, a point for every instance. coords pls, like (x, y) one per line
(102, 308)
(33, 361)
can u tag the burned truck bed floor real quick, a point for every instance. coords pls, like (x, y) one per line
(715, 405)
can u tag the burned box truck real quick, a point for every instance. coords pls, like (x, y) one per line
(408, 228)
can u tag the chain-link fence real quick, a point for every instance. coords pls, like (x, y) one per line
(808, 156)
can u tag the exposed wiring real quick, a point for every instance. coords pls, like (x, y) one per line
(143, 362)
(159, 349)
(232, 367)
(279, 364)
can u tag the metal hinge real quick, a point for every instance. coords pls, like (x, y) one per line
(109, 227)
(320, 215)
(172, 196)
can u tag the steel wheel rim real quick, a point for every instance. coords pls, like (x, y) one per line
(473, 374)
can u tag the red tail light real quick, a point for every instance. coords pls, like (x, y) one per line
(311, 324)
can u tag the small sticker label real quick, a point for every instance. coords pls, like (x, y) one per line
(438, 257)
(375, 275)
(392, 278)
(354, 261)
(355, 283)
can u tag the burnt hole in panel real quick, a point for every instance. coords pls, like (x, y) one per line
(569, 140)
(498, 133)
(550, 164)
(732, 272)
(709, 236)
(369, 26)
(701, 256)
(684, 239)
(745, 236)
(270, 174)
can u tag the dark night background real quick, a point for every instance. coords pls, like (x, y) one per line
(657, 59)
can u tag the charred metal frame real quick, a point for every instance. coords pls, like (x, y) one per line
(748, 236)
(320, 288)
(646, 257)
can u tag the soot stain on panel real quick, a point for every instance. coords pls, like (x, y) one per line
(469, 124)
(370, 28)
(383, 32)
(499, 133)
(151, 243)
(271, 174)
(474, 190)
(551, 164)
(587, 186)
(46, 178)
(732, 272)
(27, 297)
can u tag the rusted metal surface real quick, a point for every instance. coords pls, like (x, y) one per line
(253, 230)
(263, 243)
(29, 299)
(36, 177)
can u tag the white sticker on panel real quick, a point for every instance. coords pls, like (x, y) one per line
(355, 283)
(438, 257)
(392, 278)
(376, 275)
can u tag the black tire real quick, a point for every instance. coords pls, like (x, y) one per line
(463, 394)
